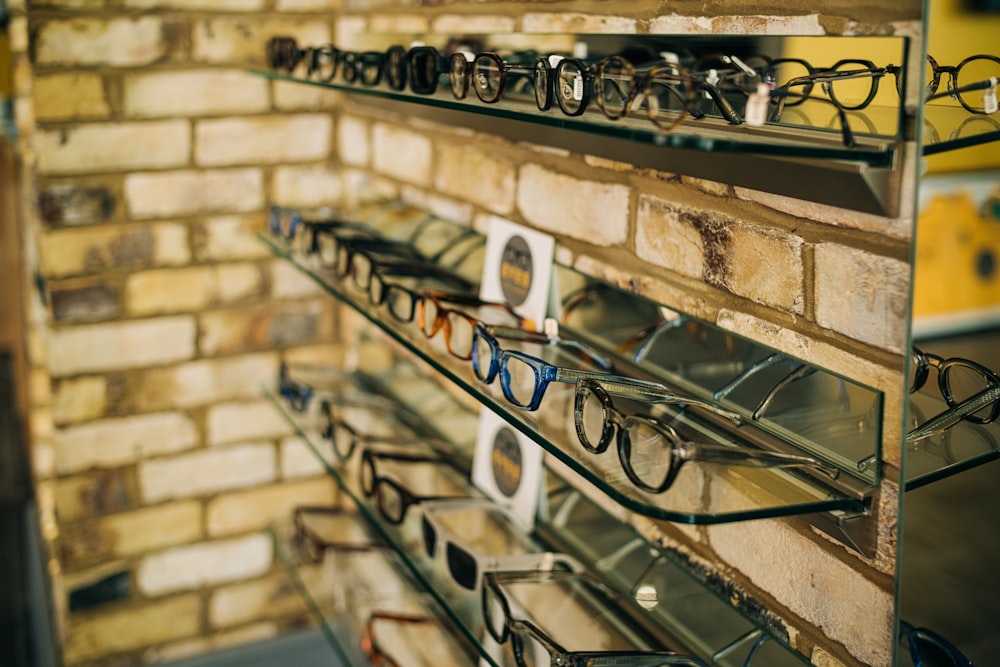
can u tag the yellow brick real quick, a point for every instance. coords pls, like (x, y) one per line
(483, 178)
(79, 399)
(194, 93)
(120, 345)
(132, 533)
(268, 597)
(97, 148)
(255, 509)
(288, 138)
(68, 252)
(170, 290)
(78, 95)
(119, 42)
(132, 627)
(153, 195)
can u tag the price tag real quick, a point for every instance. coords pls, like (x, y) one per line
(757, 104)
(990, 97)
(518, 268)
(507, 467)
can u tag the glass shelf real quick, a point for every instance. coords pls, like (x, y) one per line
(965, 445)
(348, 590)
(803, 162)
(703, 493)
(949, 128)
(655, 601)
(461, 612)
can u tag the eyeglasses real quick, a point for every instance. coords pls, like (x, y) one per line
(345, 438)
(457, 326)
(851, 83)
(928, 648)
(297, 394)
(283, 53)
(958, 380)
(971, 409)
(532, 646)
(346, 524)
(465, 565)
(487, 74)
(391, 497)
(370, 645)
(424, 67)
(651, 452)
(523, 377)
(667, 90)
(965, 77)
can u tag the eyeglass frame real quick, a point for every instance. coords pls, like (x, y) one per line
(682, 450)
(302, 534)
(922, 362)
(329, 422)
(371, 649)
(408, 498)
(443, 538)
(558, 654)
(953, 89)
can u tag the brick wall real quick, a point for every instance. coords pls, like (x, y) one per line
(154, 154)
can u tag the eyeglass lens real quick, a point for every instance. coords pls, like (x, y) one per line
(462, 566)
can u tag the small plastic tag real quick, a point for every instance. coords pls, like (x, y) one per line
(551, 327)
(577, 88)
(990, 97)
(757, 105)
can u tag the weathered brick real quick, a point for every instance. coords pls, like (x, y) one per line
(72, 204)
(815, 585)
(267, 326)
(267, 597)
(469, 24)
(116, 442)
(197, 5)
(191, 288)
(397, 22)
(68, 252)
(131, 533)
(901, 227)
(402, 154)
(578, 23)
(113, 147)
(206, 471)
(239, 40)
(252, 510)
(766, 266)
(861, 295)
(91, 493)
(151, 195)
(132, 627)
(673, 24)
(483, 178)
(353, 141)
(297, 460)
(84, 302)
(666, 238)
(79, 399)
(233, 421)
(194, 93)
(287, 282)
(203, 382)
(306, 186)
(120, 345)
(204, 564)
(286, 138)
(289, 96)
(307, 5)
(587, 210)
(229, 238)
(70, 96)
(120, 42)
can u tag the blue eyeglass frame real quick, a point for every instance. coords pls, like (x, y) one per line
(544, 372)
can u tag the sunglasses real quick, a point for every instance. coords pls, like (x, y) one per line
(466, 566)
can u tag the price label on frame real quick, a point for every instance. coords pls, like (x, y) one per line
(518, 268)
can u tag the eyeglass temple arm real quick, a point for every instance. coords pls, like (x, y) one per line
(754, 458)
(952, 416)
(985, 84)
(540, 561)
(654, 392)
(512, 333)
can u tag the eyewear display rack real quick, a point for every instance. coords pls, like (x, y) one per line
(814, 166)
